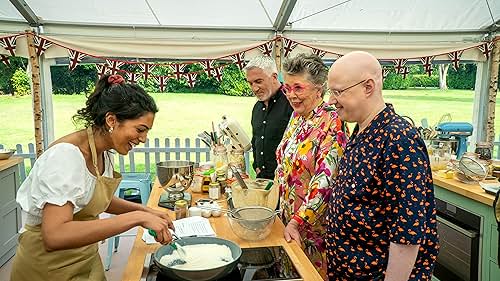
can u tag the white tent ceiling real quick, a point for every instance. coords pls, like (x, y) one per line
(191, 29)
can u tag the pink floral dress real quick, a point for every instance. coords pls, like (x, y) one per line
(308, 157)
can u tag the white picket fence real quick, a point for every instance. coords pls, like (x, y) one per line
(160, 151)
(147, 155)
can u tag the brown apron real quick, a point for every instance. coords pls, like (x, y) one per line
(33, 262)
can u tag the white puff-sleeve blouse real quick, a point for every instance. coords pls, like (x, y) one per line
(59, 175)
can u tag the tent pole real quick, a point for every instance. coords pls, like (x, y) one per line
(492, 97)
(35, 77)
(480, 105)
(46, 94)
(277, 54)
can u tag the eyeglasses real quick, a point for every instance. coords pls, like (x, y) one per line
(298, 89)
(338, 93)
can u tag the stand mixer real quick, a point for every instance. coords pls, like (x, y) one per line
(458, 131)
(175, 176)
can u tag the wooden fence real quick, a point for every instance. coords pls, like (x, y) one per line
(160, 151)
(148, 155)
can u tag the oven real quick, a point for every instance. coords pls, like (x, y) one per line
(459, 232)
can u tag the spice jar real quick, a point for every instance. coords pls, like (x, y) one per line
(220, 158)
(237, 159)
(180, 209)
(483, 149)
(221, 179)
(214, 191)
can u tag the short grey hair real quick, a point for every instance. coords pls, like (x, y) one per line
(309, 65)
(266, 63)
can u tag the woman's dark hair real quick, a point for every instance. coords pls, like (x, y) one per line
(126, 101)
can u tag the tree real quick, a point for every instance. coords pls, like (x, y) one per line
(443, 72)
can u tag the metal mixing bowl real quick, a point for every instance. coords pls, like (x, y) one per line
(176, 175)
(251, 223)
(6, 153)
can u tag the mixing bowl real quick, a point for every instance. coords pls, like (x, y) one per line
(6, 153)
(251, 223)
(176, 175)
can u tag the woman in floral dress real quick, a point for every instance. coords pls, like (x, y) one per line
(308, 156)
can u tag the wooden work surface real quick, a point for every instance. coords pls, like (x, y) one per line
(223, 230)
(7, 163)
(471, 191)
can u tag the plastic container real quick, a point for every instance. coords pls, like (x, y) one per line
(180, 209)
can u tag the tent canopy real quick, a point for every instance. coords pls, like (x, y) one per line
(193, 29)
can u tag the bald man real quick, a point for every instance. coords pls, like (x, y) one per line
(382, 217)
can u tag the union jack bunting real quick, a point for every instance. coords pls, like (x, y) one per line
(427, 63)
(399, 64)
(133, 77)
(239, 60)
(455, 58)
(41, 45)
(191, 79)
(404, 71)
(267, 48)
(5, 60)
(385, 72)
(114, 66)
(102, 69)
(146, 69)
(218, 73)
(162, 82)
(178, 70)
(288, 46)
(75, 57)
(486, 48)
(208, 66)
(9, 44)
(318, 52)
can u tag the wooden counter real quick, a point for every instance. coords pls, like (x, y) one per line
(471, 191)
(12, 161)
(223, 230)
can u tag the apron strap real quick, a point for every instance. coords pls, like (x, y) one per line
(90, 135)
(496, 209)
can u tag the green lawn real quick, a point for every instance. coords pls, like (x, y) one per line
(185, 115)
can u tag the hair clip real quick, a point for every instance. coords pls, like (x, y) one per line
(115, 79)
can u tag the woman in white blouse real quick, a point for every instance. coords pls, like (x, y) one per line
(73, 182)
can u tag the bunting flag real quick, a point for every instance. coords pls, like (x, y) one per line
(191, 79)
(239, 60)
(385, 72)
(404, 71)
(208, 66)
(288, 46)
(41, 45)
(9, 44)
(427, 63)
(114, 66)
(318, 52)
(178, 70)
(455, 58)
(399, 64)
(133, 77)
(5, 60)
(146, 70)
(162, 82)
(75, 57)
(486, 48)
(267, 48)
(102, 69)
(218, 73)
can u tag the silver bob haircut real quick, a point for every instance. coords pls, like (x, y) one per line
(309, 65)
(266, 63)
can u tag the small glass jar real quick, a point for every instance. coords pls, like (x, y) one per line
(180, 209)
(220, 158)
(483, 149)
(221, 179)
(237, 159)
(214, 191)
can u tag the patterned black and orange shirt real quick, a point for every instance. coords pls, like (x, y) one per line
(383, 193)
